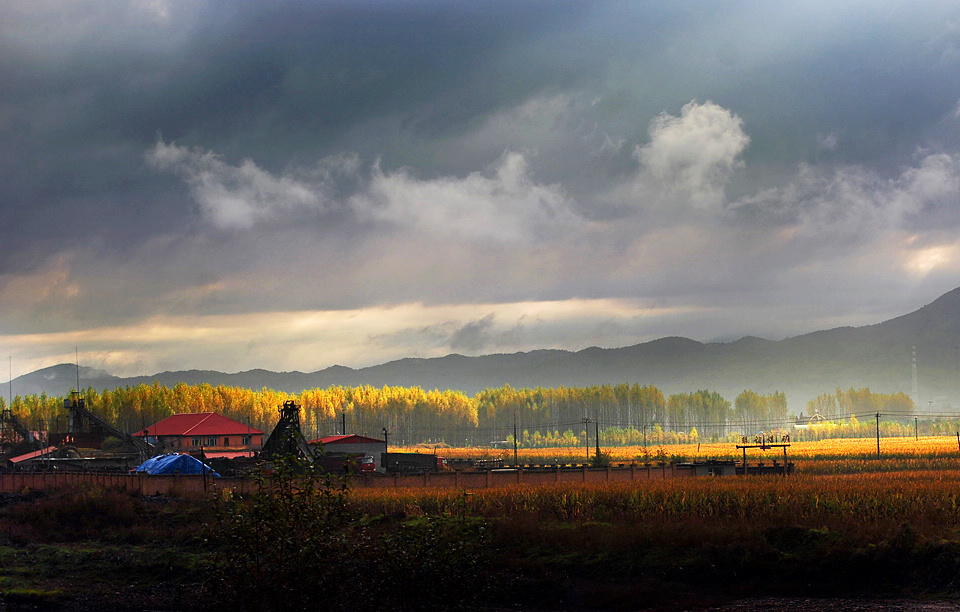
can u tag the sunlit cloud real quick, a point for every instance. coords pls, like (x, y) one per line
(925, 260)
(56, 281)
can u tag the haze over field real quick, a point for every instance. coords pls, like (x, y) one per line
(289, 186)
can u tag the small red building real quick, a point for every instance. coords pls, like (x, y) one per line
(217, 435)
(353, 444)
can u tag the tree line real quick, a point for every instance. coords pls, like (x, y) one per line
(843, 404)
(562, 416)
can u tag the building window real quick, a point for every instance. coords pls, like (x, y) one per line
(211, 441)
(226, 441)
(197, 442)
(246, 440)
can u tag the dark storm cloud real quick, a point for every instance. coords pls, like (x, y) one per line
(272, 82)
(473, 336)
(222, 159)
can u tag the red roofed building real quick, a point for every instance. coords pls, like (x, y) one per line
(217, 435)
(351, 444)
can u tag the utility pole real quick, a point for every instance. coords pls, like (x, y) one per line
(516, 461)
(916, 431)
(386, 450)
(586, 435)
(878, 435)
(643, 422)
(597, 428)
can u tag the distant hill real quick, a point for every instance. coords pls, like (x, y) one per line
(876, 356)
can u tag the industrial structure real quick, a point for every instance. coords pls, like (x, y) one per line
(287, 439)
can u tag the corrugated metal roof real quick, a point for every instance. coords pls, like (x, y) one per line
(226, 454)
(347, 439)
(198, 424)
(33, 455)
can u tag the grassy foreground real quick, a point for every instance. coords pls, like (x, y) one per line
(660, 544)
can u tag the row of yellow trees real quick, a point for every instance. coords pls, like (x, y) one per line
(842, 403)
(562, 416)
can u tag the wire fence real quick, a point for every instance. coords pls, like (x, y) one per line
(613, 432)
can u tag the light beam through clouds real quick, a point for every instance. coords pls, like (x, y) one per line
(359, 337)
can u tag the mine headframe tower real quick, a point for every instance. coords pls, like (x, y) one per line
(83, 421)
(13, 432)
(286, 439)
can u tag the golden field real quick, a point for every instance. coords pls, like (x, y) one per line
(927, 498)
(838, 484)
(831, 456)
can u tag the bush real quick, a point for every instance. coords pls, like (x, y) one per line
(296, 543)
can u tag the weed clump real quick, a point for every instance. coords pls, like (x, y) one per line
(297, 543)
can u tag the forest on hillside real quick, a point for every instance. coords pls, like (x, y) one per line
(625, 414)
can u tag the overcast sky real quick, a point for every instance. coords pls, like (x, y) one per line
(292, 185)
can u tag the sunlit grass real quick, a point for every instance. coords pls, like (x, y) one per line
(836, 448)
(926, 499)
(831, 456)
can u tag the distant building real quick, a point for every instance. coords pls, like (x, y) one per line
(217, 435)
(803, 422)
(351, 444)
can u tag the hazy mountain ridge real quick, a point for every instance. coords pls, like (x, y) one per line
(878, 356)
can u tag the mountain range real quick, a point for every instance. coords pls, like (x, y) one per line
(877, 356)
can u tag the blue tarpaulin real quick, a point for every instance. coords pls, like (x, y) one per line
(170, 464)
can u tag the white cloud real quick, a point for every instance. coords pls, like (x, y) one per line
(852, 200)
(508, 206)
(60, 31)
(689, 158)
(827, 142)
(234, 197)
